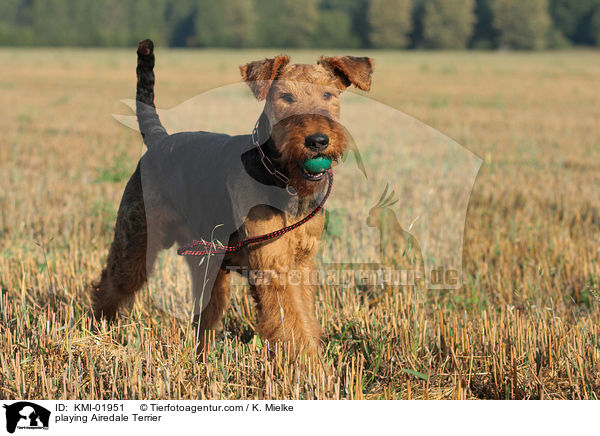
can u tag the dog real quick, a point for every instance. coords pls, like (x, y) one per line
(209, 186)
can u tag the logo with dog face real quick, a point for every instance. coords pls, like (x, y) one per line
(25, 415)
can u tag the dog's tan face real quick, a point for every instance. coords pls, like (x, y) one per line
(303, 108)
(303, 89)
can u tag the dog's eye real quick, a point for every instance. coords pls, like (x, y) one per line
(287, 97)
(327, 95)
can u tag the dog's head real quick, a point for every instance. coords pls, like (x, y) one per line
(303, 110)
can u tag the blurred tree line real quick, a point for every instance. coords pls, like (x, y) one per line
(436, 24)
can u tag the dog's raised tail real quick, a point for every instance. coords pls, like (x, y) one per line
(150, 126)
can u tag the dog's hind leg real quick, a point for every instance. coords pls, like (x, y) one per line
(218, 301)
(129, 259)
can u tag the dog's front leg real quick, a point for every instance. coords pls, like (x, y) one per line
(285, 298)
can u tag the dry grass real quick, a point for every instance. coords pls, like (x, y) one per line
(524, 325)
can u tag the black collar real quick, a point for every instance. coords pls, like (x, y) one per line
(261, 160)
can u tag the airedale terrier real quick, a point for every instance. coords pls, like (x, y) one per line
(202, 185)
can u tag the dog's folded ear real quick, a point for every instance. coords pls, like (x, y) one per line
(260, 74)
(349, 70)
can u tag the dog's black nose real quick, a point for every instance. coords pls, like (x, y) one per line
(317, 141)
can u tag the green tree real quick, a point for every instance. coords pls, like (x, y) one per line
(209, 23)
(99, 24)
(484, 34)
(287, 23)
(112, 24)
(356, 12)
(595, 26)
(416, 36)
(522, 24)
(8, 21)
(448, 23)
(334, 29)
(574, 19)
(228, 23)
(180, 19)
(50, 20)
(299, 22)
(390, 22)
(146, 20)
(240, 18)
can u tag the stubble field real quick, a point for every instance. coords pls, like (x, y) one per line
(525, 323)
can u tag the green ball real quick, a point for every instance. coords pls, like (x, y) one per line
(317, 165)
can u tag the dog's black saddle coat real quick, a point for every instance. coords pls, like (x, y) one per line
(211, 181)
